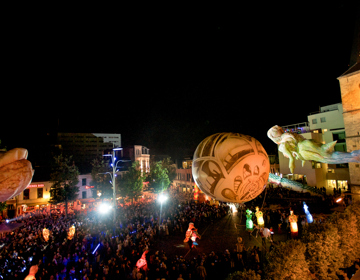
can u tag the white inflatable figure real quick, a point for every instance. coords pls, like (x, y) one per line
(265, 233)
(309, 217)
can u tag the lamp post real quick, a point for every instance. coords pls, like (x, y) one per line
(113, 175)
(161, 199)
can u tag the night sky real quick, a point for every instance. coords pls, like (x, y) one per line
(167, 79)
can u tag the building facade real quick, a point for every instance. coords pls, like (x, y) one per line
(350, 96)
(138, 153)
(184, 181)
(324, 126)
(36, 196)
(84, 147)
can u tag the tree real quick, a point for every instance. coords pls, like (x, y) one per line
(2, 207)
(287, 261)
(64, 178)
(244, 275)
(158, 178)
(101, 180)
(171, 168)
(131, 184)
(349, 247)
(323, 249)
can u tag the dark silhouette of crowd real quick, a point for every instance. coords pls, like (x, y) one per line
(104, 249)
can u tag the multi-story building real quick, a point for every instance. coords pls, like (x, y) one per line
(138, 153)
(331, 123)
(324, 126)
(84, 147)
(350, 95)
(36, 196)
(184, 181)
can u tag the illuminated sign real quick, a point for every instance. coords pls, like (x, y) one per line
(35, 186)
(89, 187)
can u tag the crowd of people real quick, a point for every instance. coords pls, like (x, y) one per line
(103, 249)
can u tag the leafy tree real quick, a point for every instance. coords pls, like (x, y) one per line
(287, 261)
(349, 232)
(171, 168)
(158, 178)
(101, 180)
(64, 178)
(244, 275)
(131, 183)
(2, 206)
(323, 249)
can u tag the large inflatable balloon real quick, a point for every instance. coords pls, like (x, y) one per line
(15, 173)
(231, 167)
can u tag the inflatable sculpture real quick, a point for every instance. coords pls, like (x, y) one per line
(46, 234)
(71, 232)
(249, 222)
(194, 236)
(196, 193)
(15, 173)
(293, 224)
(294, 146)
(189, 232)
(309, 217)
(231, 167)
(260, 218)
(142, 263)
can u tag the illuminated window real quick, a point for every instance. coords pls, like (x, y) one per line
(331, 183)
(315, 164)
(343, 184)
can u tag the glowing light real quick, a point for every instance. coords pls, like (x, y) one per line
(104, 208)
(293, 224)
(162, 198)
(96, 249)
(233, 208)
(259, 216)
(309, 217)
(249, 222)
(71, 232)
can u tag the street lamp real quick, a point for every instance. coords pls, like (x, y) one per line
(113, 175)
(162, 198)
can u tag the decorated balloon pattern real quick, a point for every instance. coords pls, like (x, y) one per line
(231, 167)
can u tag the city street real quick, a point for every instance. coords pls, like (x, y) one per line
(217, 237)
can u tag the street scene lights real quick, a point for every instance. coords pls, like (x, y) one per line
(113, 175)
(162, 198)
(104, 208)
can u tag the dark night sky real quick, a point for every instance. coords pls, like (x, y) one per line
(168, 79)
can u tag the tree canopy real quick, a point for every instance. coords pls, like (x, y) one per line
(158, 178)
(131, 183)
(100, 179)
(64, 178)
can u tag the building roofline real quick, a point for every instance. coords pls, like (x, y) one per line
(351, 71)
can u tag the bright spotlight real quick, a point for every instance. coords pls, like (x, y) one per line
(338, 200)
(104, 208)
(162, 198)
